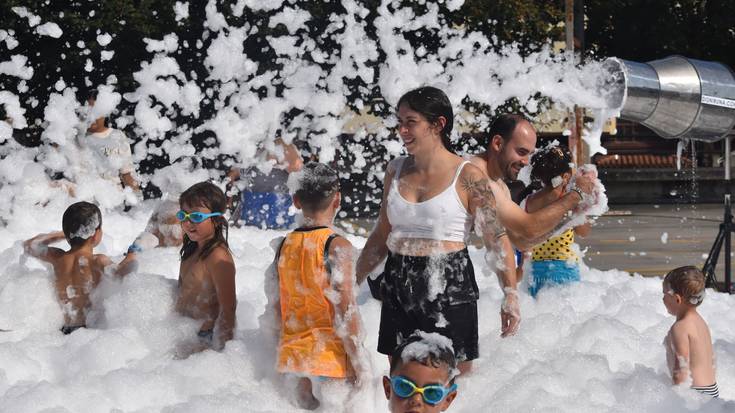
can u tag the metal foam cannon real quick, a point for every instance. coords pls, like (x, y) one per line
(676, 97)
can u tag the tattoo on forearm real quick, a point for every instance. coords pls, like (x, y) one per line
(486, 214)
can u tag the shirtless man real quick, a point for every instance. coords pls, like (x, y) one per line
(512, 141)
(77, 271)
(264, 200)
(207, 273)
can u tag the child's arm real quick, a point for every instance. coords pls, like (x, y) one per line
(222, 270)
(127, 265)
(270, 321)
(348, 324)
(680, 346)
(583, 230)
(38, 246)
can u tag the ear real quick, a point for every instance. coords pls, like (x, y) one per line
(337, 200)
(496, 143)
(440, 123)
(386, 387)
(679, 299)
(296, 201)
(448, 400)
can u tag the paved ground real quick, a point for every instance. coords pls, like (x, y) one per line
(651, 240)
(647, 239)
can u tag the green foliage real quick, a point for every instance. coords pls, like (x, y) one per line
(529, 23)
(645, 30)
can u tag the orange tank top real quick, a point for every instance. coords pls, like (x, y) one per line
(308, 344)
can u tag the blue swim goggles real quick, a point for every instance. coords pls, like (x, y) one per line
(432, 393)
(195, 217)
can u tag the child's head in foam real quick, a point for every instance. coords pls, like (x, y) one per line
(82, 223)
(207, 198)
(423, 361)
(683, 287)
(317, 190)
(552, 166)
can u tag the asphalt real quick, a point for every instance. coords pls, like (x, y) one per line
(646, 239)
(653, 239)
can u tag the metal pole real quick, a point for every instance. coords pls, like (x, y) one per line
(575, 140)
(728, 219)
(727, 164)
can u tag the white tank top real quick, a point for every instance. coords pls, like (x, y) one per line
(442, 218)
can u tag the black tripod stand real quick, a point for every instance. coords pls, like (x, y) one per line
(724, 237)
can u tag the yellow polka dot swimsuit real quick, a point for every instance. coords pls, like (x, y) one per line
(556, 248)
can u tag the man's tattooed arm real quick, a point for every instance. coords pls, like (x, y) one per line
(537, 228)
(482, 198)
(500, 255)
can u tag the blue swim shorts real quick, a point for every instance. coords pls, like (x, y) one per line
(266, 210)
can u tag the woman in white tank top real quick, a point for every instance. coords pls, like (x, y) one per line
(431, 200)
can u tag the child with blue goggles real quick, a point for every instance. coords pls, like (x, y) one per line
(422, 372)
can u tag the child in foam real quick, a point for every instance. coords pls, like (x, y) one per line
(109, 151)
(422, 372)
(207, 273)
(688, 344)
(554, 262)
(77, 271)
(316, 317)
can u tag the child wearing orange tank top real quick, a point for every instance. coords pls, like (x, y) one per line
(319, 328)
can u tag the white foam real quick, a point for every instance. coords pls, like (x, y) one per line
(591, 346)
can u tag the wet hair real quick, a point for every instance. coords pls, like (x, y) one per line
(688, 282)
(550, 162)
(433, 353)
(80, 221)
(208, 195)
(505, 124)
(317, 185)
(431, 103)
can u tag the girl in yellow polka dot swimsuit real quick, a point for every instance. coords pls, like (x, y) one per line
(554, 261)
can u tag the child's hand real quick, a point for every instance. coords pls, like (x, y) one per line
(145, 241)
(510, 313)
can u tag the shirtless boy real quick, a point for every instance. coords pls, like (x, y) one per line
(77, 271)
(207, 273)
(689, 344)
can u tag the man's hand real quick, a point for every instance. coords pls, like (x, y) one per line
(510, 313)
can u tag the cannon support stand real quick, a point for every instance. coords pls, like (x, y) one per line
(724, 236)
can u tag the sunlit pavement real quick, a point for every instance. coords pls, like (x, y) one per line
(646, 239)
(651, 240)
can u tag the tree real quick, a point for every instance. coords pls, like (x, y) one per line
(644, 30)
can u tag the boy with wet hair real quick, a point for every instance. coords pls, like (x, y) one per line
(688, 344)
(77, 271)
(422, 372)
(315, 312)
